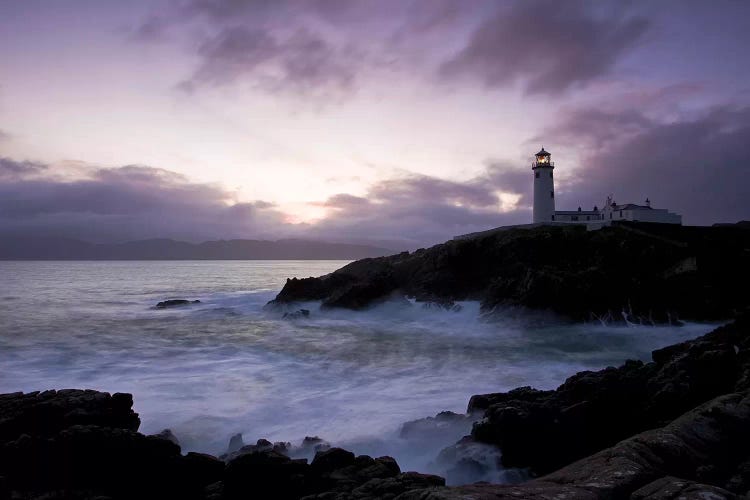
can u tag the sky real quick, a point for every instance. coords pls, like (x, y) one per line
(395, 122)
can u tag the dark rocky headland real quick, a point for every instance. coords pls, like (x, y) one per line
(654, 273)
(676, 427)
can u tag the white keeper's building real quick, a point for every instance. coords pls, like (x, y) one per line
(544, 203)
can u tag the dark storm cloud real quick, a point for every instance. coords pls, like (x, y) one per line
(316, 47)
(547, 45)
(124, 203)
(11, 169)
(420, 210)
(511, 178)
(698, 167)
(426, 188)
(301, 61)
(326, 45)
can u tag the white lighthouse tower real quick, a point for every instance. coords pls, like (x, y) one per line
(544, 187)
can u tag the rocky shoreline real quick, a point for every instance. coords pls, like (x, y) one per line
(677, 427)
(630, 272)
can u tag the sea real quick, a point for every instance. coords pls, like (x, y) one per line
(228, 365)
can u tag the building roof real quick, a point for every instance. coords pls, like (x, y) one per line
(542, 153)
(631, 206)
(577, 212)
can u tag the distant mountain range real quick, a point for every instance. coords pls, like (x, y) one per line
(52, 248)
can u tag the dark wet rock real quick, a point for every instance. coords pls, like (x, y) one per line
(235, 443)
(168, 435)
(643, 466)
(310, 446)
(377, 288)
(259, 446)
(739, 479)
(45, 414)
(442, 305)
(673, 488)
(269, 474)
(330, 460)
(176, 303)
(265, 474)
(298, 314)
(385, 489)
(527, 491)
(631, 272)
(202, 469)
(113, 461)
(545, 430)
(309, 289)
(468, 462)
(446, 422)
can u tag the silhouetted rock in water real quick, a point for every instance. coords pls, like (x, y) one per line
(631, 272)
(235, 443)
(298, 314)
(311, 445)
(176, 303)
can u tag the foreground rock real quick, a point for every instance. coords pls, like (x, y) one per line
(698, 456)
(74, 444)
(545, 430)
(642, 273)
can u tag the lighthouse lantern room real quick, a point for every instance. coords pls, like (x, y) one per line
(544, 187)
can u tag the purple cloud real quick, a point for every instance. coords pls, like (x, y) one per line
(11, 169)
(547, 45)
(125, 203)
(301, 61)
(136, 202)
(699, 166)
(420, 210)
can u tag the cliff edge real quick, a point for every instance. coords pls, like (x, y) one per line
(649, 273)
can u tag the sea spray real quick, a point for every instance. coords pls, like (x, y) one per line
(228, 366)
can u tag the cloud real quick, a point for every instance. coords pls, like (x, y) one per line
(4, 136)
(510, 178)
(696, 166)
(131, 202)
(11, 169)
(301, 62)
(547, 45)
(316, 48)
(137, 202)
(420, 210)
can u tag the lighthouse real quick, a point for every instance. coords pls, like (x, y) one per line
(544, 187)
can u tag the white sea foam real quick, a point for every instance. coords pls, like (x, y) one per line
(226, 365)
